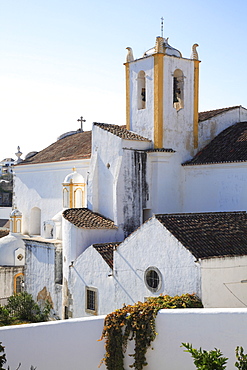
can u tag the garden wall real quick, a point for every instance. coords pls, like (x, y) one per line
(72, 344)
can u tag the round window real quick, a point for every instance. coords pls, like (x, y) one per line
(153, 279)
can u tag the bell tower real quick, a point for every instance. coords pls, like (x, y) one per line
(162, 96)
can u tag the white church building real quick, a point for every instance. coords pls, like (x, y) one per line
(111, 216)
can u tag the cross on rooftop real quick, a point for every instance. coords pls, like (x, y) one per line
(81, 120)
(162, 22)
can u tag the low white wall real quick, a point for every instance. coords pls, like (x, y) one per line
(72, 344)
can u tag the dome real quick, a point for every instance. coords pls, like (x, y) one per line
(30, 154)
(74, 178)
(15, 213)
(163, 46)
(8, 246)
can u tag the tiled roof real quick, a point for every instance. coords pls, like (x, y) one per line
(229, 146)
(154, 150)
(3, 233)
(121, 132)
(86, 219)
(106, 251)
(208, 235)
(77, 146)
(203, 116)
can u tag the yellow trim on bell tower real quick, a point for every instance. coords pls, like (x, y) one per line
(158, 99)
(196, 102)
(127, 77)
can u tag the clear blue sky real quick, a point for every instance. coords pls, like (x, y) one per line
(63, 59)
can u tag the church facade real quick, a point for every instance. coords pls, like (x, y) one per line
(116, 214)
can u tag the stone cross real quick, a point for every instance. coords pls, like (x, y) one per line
(81, 120)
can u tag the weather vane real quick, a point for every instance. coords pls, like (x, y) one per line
(162, 22)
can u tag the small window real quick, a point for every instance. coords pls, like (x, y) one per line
(18, 283)
(91, 300)
(178, 89)
(153, 279)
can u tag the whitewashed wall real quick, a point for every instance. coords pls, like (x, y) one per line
(165, 182)
(178, 125)
(210, 128)
(153, 245)
(218, 187)
(41, 274)
(40, 186)
(81, 276)
(7, 274)
(125, 284)
(5, 213)
(73, 344)
(142, 120)
(224, 282)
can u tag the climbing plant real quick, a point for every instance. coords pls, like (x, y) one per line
(137, 322)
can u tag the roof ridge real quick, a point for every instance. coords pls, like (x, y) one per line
(205, 115)
(121, 131)
(228, 146)
(87, 219)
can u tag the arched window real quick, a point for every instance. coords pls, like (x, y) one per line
(18, 283)
(178, 89)
(79, 198)
(141, 90)
(35, 221)
(65, 198)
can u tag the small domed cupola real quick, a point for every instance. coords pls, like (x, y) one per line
(15, 221)
(74, 190)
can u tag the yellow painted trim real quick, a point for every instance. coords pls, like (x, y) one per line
(196, 102)
(158, 99)
(15, 277)
(71, 195)
(127, 76)
(14, 220)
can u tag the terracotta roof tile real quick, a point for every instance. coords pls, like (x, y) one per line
(121, 132)
(106, 251)
(164, 150)
(229, 146)
(77, 146)
(3, 233)
(86, 219)
(208, 235)
(203, 116)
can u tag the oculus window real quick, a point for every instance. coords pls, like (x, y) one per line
(153, 279)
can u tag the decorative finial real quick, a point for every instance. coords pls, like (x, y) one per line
(81, 120)
(194, 54)
(18, 155)
(130, 56)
